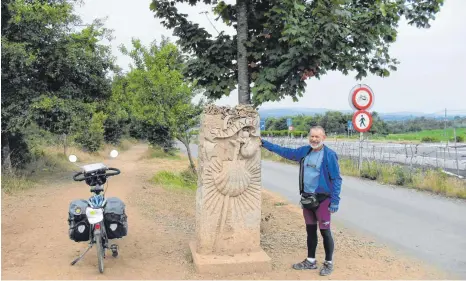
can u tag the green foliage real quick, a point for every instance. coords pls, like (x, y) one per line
(289, 41)
(430, 135)
(458, 139)
(429, 139)
(401, 176)
(294, 133)
(334, 122)
(184, 180)
(160, 152)
(51, 71)
(370, 170)
(155, 95)
(91, 134)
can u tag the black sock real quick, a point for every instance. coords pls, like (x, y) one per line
(311, 230)
(328, 243)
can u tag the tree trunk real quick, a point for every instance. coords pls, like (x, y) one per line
(244, 96)
(64, 144)
(188, 150)
(191, 162)
(6, 155)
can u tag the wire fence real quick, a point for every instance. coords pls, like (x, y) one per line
(448, 157)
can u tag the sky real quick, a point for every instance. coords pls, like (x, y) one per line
(430, 77)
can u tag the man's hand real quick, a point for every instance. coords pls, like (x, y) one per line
(333, 208)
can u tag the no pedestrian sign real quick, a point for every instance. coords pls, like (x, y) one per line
(362, 121)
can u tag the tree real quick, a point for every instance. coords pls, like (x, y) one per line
(188, 118)
(279, 44)
(155, 94)
(45, 60)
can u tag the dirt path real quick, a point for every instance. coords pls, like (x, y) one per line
(35, 243)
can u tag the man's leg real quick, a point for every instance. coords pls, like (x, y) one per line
(324, 217)
(311, 229)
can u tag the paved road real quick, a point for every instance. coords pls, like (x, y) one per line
(415, 223)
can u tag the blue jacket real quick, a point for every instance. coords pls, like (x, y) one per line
(330, 179)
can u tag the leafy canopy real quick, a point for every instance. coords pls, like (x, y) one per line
(154, 91)
(292, 40)
(54, 73)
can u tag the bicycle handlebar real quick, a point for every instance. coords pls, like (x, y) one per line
(116, 172)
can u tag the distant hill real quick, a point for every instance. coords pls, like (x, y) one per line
(391, 116)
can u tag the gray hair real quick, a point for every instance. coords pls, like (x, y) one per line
(317, 128)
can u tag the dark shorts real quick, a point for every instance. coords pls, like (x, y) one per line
(321, 215)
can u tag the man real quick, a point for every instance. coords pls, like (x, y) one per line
(319, 174)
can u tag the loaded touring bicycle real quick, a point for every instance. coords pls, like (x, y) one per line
(97, 219)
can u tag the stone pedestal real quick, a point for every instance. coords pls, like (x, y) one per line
(228, 199)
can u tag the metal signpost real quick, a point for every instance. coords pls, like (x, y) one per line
(288, 122)
(361, 98)
(262, 125)
(350, 128)
(289, 125)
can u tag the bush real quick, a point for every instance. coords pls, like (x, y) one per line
(402, 177)
(429, 139)
(91, 136)
(369, 171)
(156, 151)
(458, 139)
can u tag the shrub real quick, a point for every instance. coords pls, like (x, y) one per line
(429, 139)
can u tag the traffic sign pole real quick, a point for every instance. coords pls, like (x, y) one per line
(361, 98)
(360, 152)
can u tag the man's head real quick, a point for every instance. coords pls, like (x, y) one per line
(316, 136)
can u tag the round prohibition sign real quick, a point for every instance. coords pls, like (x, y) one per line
(362, 98)
(362, 121)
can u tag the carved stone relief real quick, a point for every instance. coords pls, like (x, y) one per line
(229, 193)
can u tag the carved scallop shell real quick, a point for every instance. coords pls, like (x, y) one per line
(233, 178)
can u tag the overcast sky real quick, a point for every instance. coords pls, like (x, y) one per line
(431, 76)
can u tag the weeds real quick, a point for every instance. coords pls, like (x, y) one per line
(49, 161)
(158, 152)
(14, 183)
(183, 180)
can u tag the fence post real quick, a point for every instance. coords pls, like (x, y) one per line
(456, 153)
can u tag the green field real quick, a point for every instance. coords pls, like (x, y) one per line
(432, 135)
(421, 136)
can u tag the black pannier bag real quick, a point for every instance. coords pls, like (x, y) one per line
(77, 221)
(116, 220)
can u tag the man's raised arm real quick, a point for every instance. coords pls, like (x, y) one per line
(294, 154)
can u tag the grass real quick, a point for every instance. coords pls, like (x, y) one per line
(50, 162)
(422, 179)
(421, 136)
(46, 162)
(15, 183)
(435, 135)
(158, 152)
(184, 180)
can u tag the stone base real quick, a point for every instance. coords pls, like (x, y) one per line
(234, 264)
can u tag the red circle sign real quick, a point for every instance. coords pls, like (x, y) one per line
(362, 98)
(362, 121)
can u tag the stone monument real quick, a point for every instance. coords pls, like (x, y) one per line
(228, 199)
